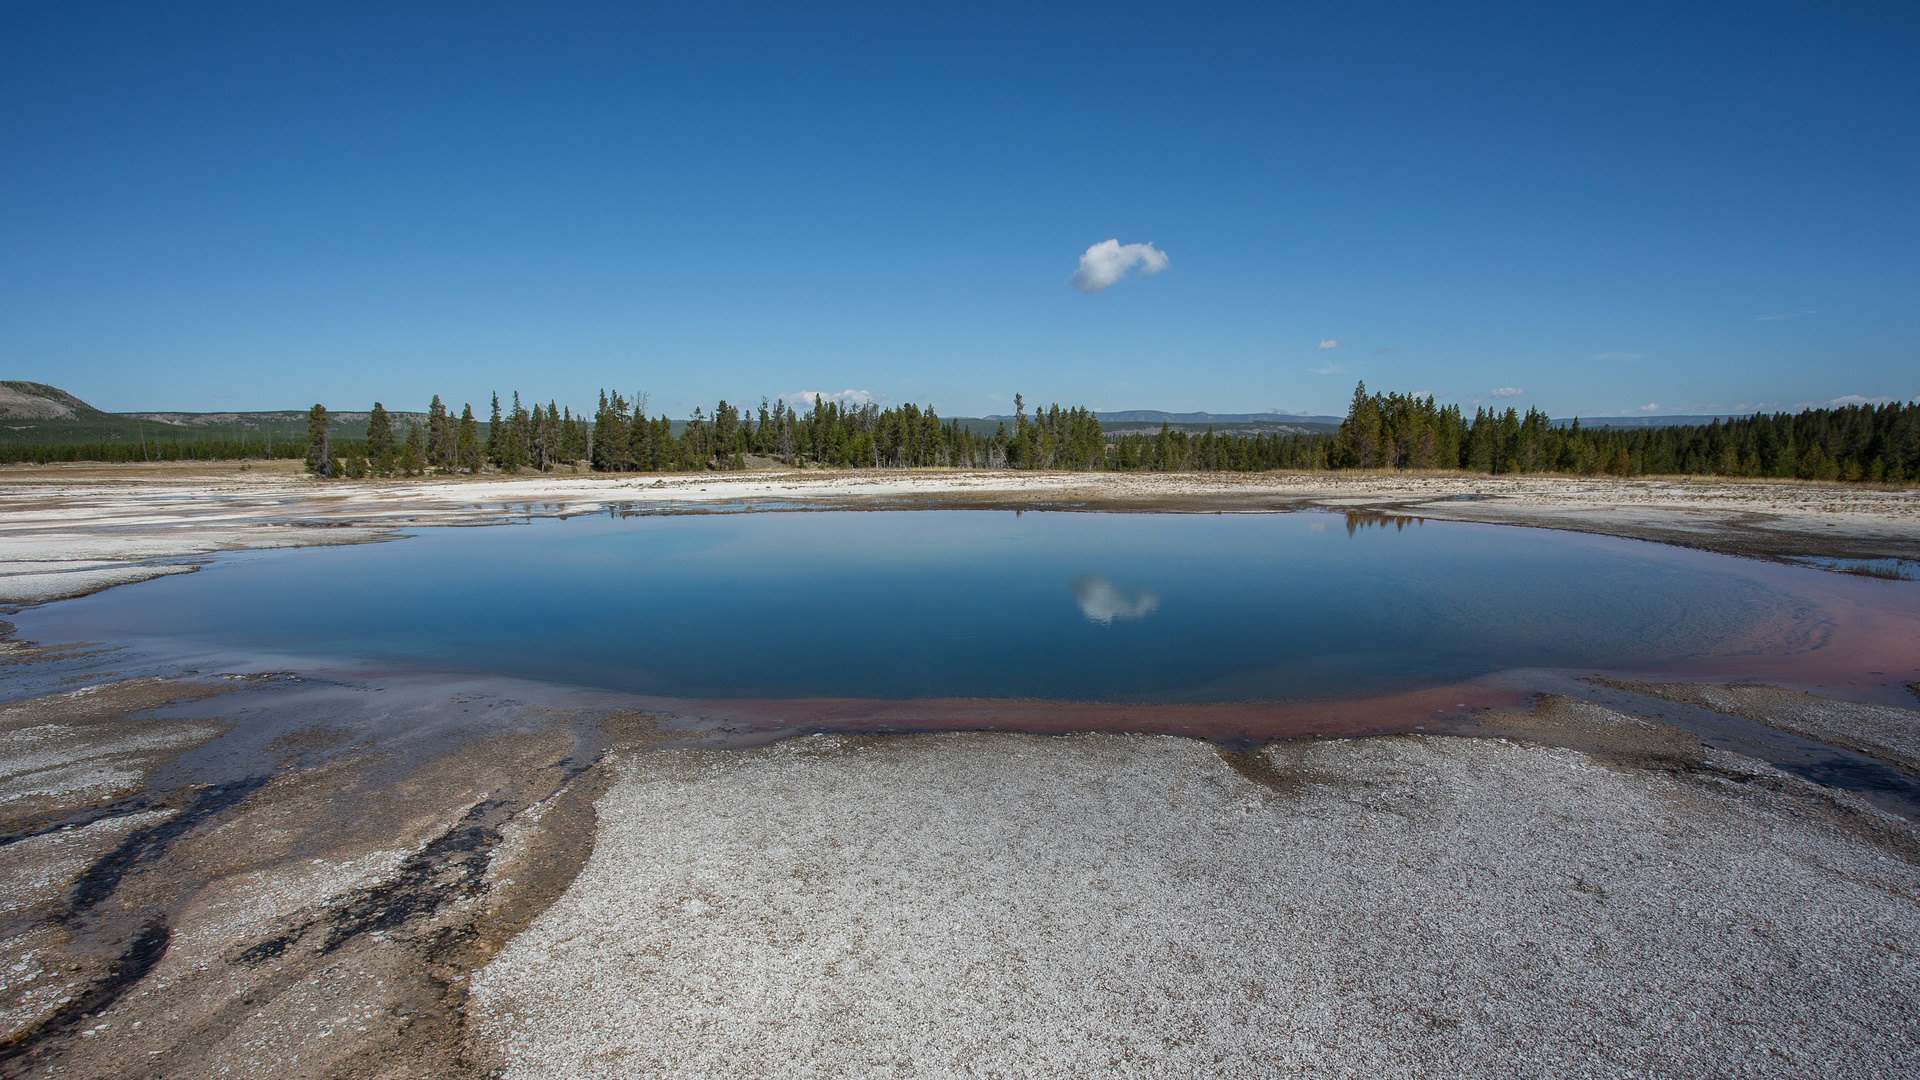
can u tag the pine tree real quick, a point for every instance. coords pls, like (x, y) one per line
(380, 440)
(468, 452)
(517, 438)
(1479, 452)
(1507, 442)
(783, 431)
(1361, 434)
(610, 434)
(413, 457)
(644, 450)
(726, 424)
(495, 452)
(439, 449)
(573, 444)
(319, 454)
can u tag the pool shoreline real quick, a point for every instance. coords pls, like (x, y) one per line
(133, 522)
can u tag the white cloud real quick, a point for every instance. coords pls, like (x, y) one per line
(1651, 406)
(1787, 315)
(1106, 262)
(1102, 603)
(1331, 343)
(1384, 349)
(1844, 401)
(1506, 391)
(803, 400)
(1328, 368)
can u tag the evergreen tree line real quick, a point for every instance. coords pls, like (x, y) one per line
(909, 436)
(830, 433)
(1381, 431)
(622, 437)
(444, 443)
(837, 434)
(204, 449)
(1173, 450)
(1857, 442)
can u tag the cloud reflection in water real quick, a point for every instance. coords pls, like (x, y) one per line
(1102, 603)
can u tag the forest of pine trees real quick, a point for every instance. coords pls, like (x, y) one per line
(836, 435)
(1879, 443)
(1873, 443)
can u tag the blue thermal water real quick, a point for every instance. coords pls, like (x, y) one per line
(1160, 608)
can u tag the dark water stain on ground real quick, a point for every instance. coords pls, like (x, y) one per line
(139, 946)
(150, 844)
(1822, 763)
(1245, 757)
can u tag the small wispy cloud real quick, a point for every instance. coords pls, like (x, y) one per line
(803, 399)
(1106, 262)
(1331, 343)
(1844, 401)
(1506, 391)
(1651, 406)
(1328, 368)
(1619, 356)
(1384, 349)
(1788, 315)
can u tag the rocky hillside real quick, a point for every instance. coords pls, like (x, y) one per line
(35, 414)
(20, 400)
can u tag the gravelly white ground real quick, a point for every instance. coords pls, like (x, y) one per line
(982, 905)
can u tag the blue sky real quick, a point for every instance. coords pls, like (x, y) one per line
(1618, 208)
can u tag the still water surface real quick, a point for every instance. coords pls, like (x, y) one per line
(971, 604)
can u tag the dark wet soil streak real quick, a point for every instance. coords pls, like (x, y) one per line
(409, 906)
(447, 869)
(149, 844)
(1823, 763)
(144, 944)
(149, 944)
(1246, 759)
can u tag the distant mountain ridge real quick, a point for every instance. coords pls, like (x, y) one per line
(35, 414)
(255, 419)
(22, 400)
(1645, 421)
(1155, 416)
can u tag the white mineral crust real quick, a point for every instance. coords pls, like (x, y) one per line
(995, 905)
